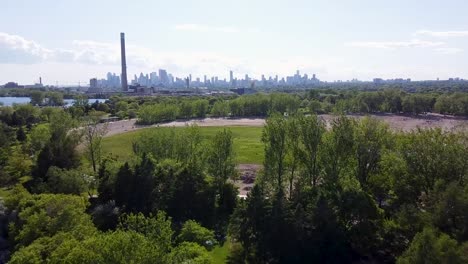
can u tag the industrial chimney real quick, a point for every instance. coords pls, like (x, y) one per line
(124, 63)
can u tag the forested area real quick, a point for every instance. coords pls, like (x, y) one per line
(158, 109)
(352, 192)
(355, 193)
(62, 204)
(311, 102)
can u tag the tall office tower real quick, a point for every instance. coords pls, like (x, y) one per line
(231, 77)
(163, 78)
(124, 62)
(153, 78)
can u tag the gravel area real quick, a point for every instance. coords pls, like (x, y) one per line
(396, 122)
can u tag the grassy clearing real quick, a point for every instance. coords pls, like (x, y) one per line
(247, 143)
(219, 254)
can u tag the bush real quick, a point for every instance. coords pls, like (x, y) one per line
(194, 232)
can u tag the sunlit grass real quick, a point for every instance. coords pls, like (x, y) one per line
(247, 143)
(220, 254)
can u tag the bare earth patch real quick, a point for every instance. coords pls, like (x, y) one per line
(247, 175)
(396, 122)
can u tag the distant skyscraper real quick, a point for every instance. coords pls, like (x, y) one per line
(124, 63)
(93, 83)
(163, 77)
(231, 77)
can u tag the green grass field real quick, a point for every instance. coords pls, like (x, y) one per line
(219, 254)
(247, 143)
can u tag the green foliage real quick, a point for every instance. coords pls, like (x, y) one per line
(431, 247)
(158, 228)
(221, 158)
(39, 137)
(274, 137)
(246, 142)
(433, 155)
(200, 108)
(115, 247)
(220, 109)
(311, 130)
(67, 181)
(151, 114)
(55, 99)
(37, 98)
(46, 215)
(20, 134)
(60, 151)
(190, 253)
(186, 110)
(449, 208)
(371, 139)
(193, 232)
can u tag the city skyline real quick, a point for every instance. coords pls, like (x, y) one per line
(336, 41)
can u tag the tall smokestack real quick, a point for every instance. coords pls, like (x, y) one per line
(124, 63)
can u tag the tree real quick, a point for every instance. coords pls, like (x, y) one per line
(55, 99)
(156, 228)
(46, 215)
(94, 132)
(201, 108)
(189, 253)
(311, 131)
(274, 137)
(449, 208)
(60, 151)
(430, 247)
(20, 134)
(220, 109)
(67, 181)
(186, 109)
(39, 137)
(432, 155)
(371, 138)
(193, 232)
(221, 158)
(81, 101)
(337, 149)
(37, 98)
(294, 151)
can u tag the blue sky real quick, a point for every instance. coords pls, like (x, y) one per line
(71, 41)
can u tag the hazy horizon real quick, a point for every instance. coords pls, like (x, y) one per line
(74, 41)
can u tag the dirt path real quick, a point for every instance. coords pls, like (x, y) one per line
(248, 173)
(396, 122)
(124, 126)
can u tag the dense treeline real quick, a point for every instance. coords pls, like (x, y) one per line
(151, 110)
(314, 101)
(355, 193)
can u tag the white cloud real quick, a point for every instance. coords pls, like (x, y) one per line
(443, 34)
(205, 28)
(415, 43)
(13, 47)
(448, 51)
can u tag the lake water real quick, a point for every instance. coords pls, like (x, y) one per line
(9, 101)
